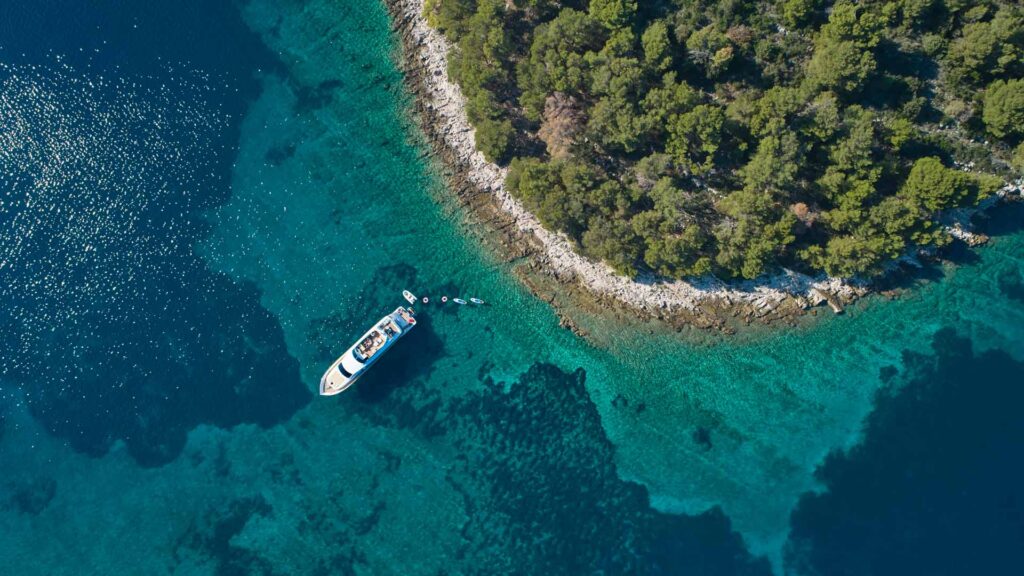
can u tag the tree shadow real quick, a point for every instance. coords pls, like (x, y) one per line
(1002, 220)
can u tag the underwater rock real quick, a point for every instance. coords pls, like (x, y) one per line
(33, 496)
(210, 537)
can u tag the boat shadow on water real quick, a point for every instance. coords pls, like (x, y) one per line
(410, 359)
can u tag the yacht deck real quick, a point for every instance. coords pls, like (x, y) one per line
(371, 344)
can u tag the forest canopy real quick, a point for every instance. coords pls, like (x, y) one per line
(731, 137)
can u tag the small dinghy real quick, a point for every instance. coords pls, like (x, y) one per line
(458, 300)
(408, 297)
(476, 301)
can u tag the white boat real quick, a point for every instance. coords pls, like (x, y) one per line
(367, 350)
(476, 301)
(458, 300)
(409, 297)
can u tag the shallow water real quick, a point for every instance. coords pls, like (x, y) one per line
(177, 276)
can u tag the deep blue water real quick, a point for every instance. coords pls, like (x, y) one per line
(201, 203)
(117, 329)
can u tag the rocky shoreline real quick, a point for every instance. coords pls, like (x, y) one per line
(480, 185)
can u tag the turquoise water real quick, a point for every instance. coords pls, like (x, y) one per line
(161, 419)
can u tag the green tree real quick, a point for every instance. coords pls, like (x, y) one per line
(449, 16)
(670, 249)
(652, 168)
(987, 50)
(796, 13)
(1017, 159)
(617, 76)
(918, 13)
(694, 137)
(615, 242)
(613, 14)
(843, 55)
(901, 131)
(657, 46)
(674, 243)
(840, 66)
(773, 168)
(774, 110)
(824, 117)
(849, 180)
(619, 79)
(710, 49)
(1004, 108)
(852, 255)
(671, 98)
(931, 187)
(480, 60)
(480, 63)
(540, 187)
(755, 232)
(616, 124)
(494, 139)
(556, 61)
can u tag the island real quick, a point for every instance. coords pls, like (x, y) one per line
(770, 152)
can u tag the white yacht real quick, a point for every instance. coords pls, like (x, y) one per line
(367, 350)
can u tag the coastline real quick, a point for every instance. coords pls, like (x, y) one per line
(480, 185)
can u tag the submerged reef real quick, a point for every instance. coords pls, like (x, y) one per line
(538, 474)
(936, 486)
(30, 496)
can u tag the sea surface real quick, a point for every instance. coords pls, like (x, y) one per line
(202, 203)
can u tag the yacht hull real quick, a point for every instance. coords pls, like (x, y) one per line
(351, 365)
